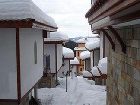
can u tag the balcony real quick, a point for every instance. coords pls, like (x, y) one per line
(103, 8)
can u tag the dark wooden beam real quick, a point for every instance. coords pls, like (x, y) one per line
(26, 23)
(9, 100)
(18, 65)
(93, 57)
(117, 36)
(53, 42)
(44, 34)
(109, 38)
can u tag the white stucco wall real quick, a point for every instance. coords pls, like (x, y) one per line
(74, 71)
(30, 72)
(59, 56)
(8, 69)
(49, 49)
(64, 68)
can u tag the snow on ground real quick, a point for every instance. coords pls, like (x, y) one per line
(80, 92)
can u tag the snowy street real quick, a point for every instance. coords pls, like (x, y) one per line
(80, 92)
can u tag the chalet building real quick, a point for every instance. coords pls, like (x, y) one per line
(94, 48)
(118, 24)
(78, 50)
(74, 64)
(53, 50)
(68, 55)
(85, 56)
(21, 49)
(98, 67)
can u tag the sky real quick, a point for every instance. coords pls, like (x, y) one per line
(69, 15)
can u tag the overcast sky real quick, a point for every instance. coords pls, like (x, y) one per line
(69, 15)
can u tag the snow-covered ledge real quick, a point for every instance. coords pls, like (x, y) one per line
(84, 55)
(102, 65)
(93, 44)
(68, 53)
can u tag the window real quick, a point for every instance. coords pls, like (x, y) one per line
(78, 54)
(35, 52)
(81, 69)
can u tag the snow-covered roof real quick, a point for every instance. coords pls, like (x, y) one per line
(23, 9)
(82, 40)
(68, 53)
(80, 49)
(91, 45)
(59, 35)
(87, 74)
(74, 62)
(85, 55)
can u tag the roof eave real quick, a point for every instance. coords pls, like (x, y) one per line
(26, 23)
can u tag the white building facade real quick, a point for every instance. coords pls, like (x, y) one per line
(21, 51)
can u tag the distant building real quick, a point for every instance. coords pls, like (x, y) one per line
(85, 56)
(52, 60)
(80, 48)
(53, 57)
(74, 64)
(94, 48)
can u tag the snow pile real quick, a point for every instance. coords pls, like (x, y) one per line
(82, 40)
(103, 65)
(23, 9)
(59, 35)
(95, 71)
(85, 55)
(91, 45)
(80, 92)
(74, 62)
(68, 53)
(87, 74)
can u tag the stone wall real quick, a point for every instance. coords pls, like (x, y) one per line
(123, 83)
(48, 81)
